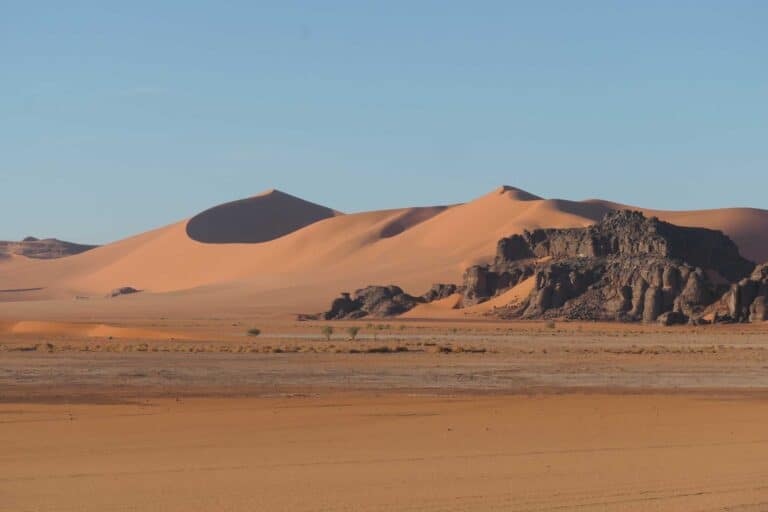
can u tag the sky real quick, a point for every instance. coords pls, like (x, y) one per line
(119, 117)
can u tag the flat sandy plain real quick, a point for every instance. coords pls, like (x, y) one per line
(413, 415)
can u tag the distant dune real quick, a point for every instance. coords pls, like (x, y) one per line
(50, 248)
(276, 252)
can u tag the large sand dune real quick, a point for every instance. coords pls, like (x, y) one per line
(299, 255)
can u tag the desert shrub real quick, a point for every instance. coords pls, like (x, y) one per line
(549, 324)
(352, 331)
(254, 331)
(327, 331)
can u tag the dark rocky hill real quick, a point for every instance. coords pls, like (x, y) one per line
(626, 267)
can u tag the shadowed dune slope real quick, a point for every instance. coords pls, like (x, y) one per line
(294, 268)
(260, 218)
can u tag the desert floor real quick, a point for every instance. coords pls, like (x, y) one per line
(192, 415)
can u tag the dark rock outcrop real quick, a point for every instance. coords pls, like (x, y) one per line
(124, 290)
(626, 267)
(628, 234)
(672, 318)
(440, 291)
(383, 301)
(746, 300)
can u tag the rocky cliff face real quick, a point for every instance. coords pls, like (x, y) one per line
(746, 300)
(627, 267)
(629, 234)
(49, 248)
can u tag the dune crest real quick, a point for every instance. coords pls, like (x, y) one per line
(517, 194)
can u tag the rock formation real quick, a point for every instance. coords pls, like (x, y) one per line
(630, 234)
(124, 290)
(626, 267)
(383, 301)
(440, 291)
(746, 300)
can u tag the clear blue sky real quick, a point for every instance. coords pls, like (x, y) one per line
(117, 117)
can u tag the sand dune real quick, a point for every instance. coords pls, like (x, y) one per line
(439, 309)
(300, 255)
(445, 309)
(514, 295)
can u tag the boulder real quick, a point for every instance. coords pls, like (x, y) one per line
(342, 307)
(745, 301)
(125, 290)
(440, 291)
(758, 311)
(672, 318)
(383, 301)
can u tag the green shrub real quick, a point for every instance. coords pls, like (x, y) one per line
(254, 331)
(327, 331)
(352, 331)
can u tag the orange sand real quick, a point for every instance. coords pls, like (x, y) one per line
(388, 452)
